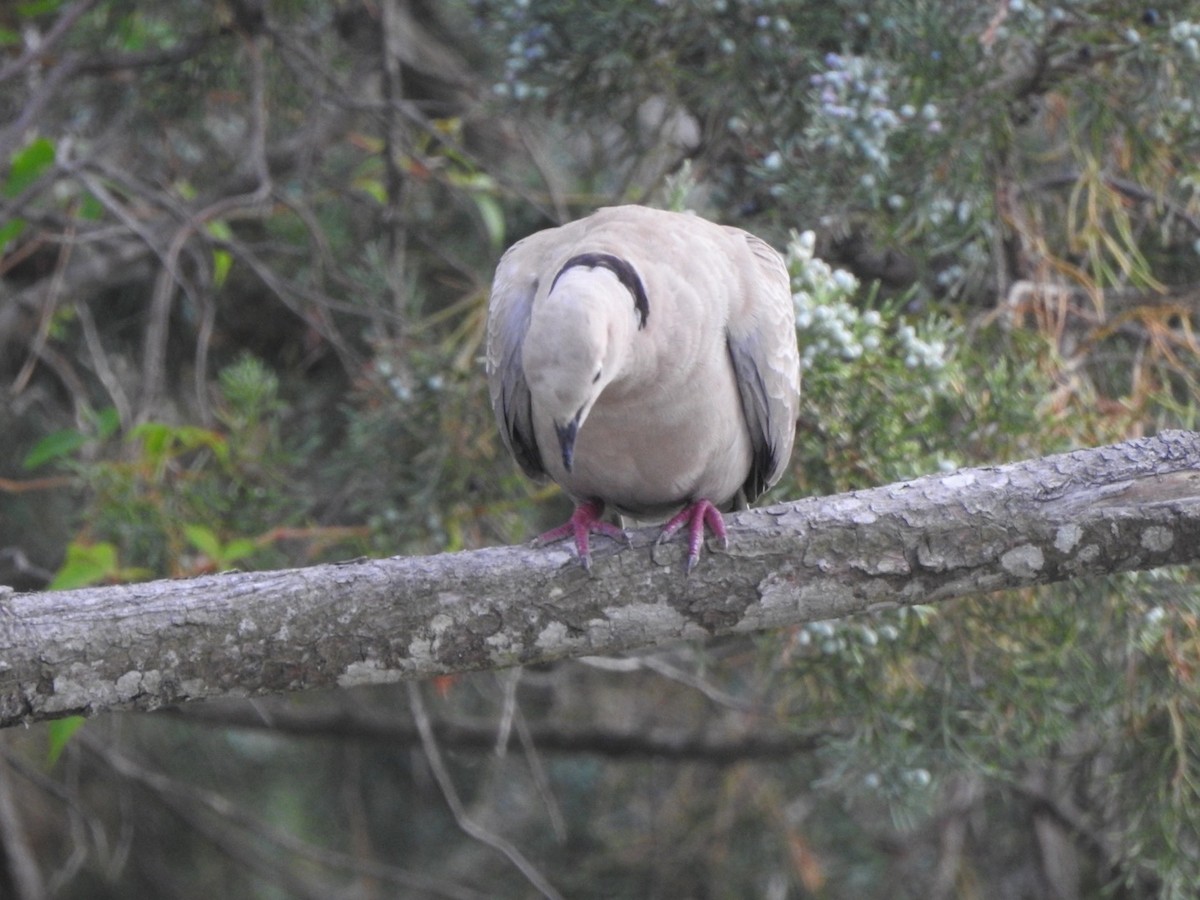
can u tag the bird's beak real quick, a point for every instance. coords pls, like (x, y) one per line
(566, 440)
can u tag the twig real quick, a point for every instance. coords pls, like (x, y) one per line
(22, 868)
(187, 801)
(541, 778)
(49, 304)
(666, 670)
(32, 52)
(471, 828)
(100, 364)
(466, 734)
(508, 710)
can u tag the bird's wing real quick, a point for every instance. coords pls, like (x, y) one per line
(513, 290)
(766, 362)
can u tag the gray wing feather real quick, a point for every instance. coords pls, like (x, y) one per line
(513, 290)
(766, 362)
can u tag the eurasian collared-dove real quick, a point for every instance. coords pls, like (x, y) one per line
(645, 360)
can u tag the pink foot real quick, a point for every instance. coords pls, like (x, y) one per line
(584, 522)
(696, 516)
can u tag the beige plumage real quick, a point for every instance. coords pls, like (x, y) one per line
(645, 361)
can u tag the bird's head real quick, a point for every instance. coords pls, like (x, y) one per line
(576, 346)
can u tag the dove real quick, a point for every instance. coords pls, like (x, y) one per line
(646, 361)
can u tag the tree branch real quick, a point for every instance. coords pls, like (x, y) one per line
(1127, 507)
(717, 745)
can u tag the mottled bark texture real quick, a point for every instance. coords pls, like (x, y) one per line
(1126, 507)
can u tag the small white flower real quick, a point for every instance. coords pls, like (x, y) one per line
(918, 777)
(845, 281)
(821, 628)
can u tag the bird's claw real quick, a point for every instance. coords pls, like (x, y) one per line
(697, 516)
(584, 522)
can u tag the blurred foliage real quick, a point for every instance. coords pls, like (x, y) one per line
(244, 258)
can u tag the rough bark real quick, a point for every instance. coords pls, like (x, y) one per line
(1126, 507)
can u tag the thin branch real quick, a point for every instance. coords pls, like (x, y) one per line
(101, 365)
(190, 802)
(396, 143)
(24, 877)
(508, 709)
(469, 826)
(257, 143)
(46, 317)
(479, 735)
(35, 51)
(1130, 189)
(70, 66)
(541, 778)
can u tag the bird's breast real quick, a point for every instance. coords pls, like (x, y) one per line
(648, 451)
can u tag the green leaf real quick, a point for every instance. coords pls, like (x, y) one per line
(222, 263)
(108, 420)
(222, 259)
(60, 732)
(373, 188)
(28, 164)
(10, 231)
(31, 8)
(54, 446)
(162, 442)
(155, 438)
(493, 217)
(204, 539)
(191, 437)
(219, 229)
(65, 442)
(90, 208)
(86, 564)
(238, 549)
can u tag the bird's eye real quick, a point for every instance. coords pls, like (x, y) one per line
(596, 377)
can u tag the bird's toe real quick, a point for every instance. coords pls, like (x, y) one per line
(697, 516)
(585, 521)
